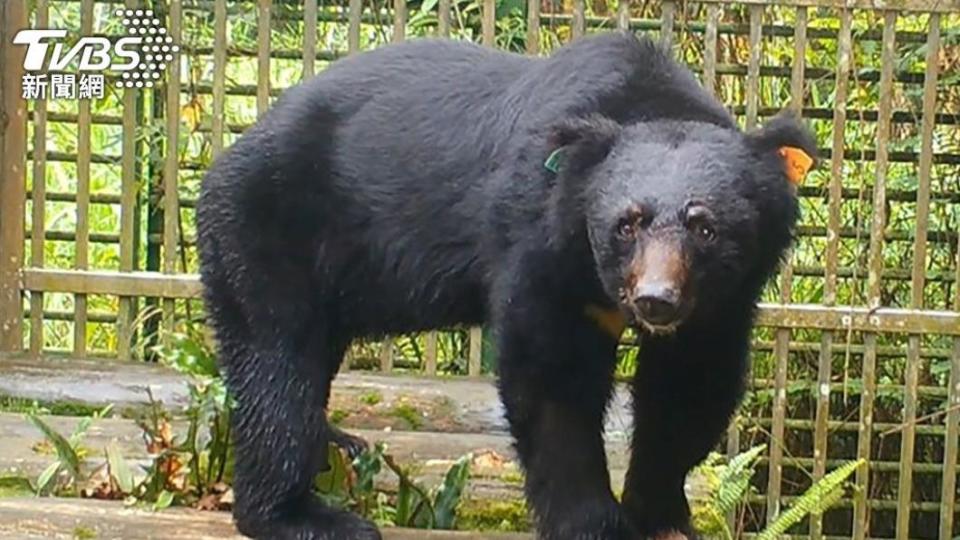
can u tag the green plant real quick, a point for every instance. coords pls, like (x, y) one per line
(207, 442)
(66, 472)
(351, 485)
(408, 413)
(816, 500)
(371, 398)
(729, 484)
(82, 532)
(15, 486)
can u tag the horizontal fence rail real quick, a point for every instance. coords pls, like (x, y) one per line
(888, 320)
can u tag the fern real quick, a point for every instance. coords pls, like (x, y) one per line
(735, 479)
(728, 484)
(816, 500)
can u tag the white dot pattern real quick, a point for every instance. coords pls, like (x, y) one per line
(156, 49)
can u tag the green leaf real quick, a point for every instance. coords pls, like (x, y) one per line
(333, 482)
(734, 479)
(816, 500)
(80, 431)
(448, 497)
(164, 500)
(65, 452)
(15, 486)
(367, 466)
(119, 470)
(104, 412)
(47, 476)
(428, 5)
(410, 506)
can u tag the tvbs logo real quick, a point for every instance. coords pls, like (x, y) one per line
(137, 59)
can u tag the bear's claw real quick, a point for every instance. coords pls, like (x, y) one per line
(352, 444)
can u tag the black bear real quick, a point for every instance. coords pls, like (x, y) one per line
(437, 183)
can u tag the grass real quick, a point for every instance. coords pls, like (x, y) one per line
(82, 532)
(409, 414)
(336, 416)
(19, 405)
(15, 486)
(371, 398)
(499, 515)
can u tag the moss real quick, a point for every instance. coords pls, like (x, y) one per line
(82, 532)
(15, 486)
(409, 414)
(514, 477)
(371, 398)
(14, 404)
(501, 515)
(336, 416)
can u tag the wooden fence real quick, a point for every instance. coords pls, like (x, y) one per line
(857, 353)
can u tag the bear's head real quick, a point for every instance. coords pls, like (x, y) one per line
(684, 219)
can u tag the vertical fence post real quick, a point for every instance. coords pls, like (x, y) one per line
(782, 343)
(668, 15)
(489, 22)
(753, 67)
(579, 20)
(13, 139)
(38, 198)
(475, 359)
(951, 443)
(623, 15)
(263, 56)
(354, 12)
(82, 242)
(875, 274)
(430, 353)
(309, 38)
(220, 69)
(399, 20)
(128, 202)
(533, 27)
(710, 48)
(443, 18)
(918, 279)
(825, 363)
(171, 206)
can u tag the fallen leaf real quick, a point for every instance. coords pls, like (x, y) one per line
(488, 459)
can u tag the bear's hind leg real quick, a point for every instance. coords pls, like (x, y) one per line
(281, 386)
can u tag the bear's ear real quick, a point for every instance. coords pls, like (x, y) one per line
(580, 143)
(791, 140)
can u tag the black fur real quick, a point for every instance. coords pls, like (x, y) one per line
(403, 189)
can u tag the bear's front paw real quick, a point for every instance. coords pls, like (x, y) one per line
(593, 523)
(315, 522)
(674, 535)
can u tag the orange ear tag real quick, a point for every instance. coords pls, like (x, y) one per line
(797, 163)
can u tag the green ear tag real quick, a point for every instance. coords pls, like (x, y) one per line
(552, 163)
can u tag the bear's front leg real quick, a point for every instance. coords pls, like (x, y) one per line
(685, 390)
(556, 369)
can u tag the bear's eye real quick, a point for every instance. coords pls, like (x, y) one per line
(698, 222)
(705, 231)
(627, 228)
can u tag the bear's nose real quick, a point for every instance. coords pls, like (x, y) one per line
(657, 303)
